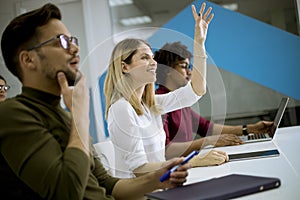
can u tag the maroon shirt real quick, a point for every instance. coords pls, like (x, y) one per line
(180, 125)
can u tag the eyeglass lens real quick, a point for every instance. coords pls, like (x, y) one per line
(5, 87)
(66, 41)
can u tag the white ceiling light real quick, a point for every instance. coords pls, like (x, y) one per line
(119, 2)
(136, 20)
(231, 6)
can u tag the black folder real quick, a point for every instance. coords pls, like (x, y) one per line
(226, 187)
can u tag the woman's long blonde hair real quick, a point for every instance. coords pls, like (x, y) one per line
(118, 85)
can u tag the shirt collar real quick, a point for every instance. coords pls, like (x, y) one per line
(41, 96)
(162, 90)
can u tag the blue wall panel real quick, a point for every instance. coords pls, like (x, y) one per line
(245, 46)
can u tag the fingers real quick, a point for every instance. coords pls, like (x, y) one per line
(207, 13)
(218, 157)
(177, 161)
(267, 124)
(231, 139)
(173, 162)
(210, 18)
(223, 154)
(226, 140)
(63, 83)
(65, 91)
(206, 17)
(260, 127)
(178, 177)
(212, 158)
(195, 14)
(202, 9)
(237, 140)
(184, 167)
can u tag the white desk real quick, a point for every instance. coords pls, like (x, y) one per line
(286, 167)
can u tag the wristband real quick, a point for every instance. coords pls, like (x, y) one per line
(245, 132)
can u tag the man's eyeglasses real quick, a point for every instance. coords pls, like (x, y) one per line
(64, 41)
(184, 65)
(5, 87)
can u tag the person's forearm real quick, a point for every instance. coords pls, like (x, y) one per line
(227, 129)
(178, 149)
(147, 167)
(135, 188)
(199, 68)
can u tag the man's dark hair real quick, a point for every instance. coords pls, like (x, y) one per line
(167, 55)
(21, 34)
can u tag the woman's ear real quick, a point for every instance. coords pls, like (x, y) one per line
(27, 59)
(124, 67)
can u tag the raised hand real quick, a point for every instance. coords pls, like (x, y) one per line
(202, 21)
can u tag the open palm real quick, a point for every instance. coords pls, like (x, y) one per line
(202, 21)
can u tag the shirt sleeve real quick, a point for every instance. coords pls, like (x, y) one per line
(37, 158)
(126, 135)
(166, 127)
(104, 179)
(177, 99)
(200, 124)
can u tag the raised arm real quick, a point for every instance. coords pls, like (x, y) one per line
(202, 21)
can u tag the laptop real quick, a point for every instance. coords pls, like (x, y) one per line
(268, 136)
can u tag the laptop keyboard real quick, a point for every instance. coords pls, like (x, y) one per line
(256, 136)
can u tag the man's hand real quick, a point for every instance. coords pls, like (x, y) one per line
(77, 101)
(222, 140)
(260, 127)
(65, 90)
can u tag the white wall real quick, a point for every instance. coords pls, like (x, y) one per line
(99, 44)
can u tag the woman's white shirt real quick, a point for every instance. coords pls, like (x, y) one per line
(139, 139)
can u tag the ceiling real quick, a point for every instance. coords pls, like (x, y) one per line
(280, 13)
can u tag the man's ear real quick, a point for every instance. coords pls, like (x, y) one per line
(27, 59)
(124, 67)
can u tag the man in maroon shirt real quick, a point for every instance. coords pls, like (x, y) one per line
(174, 71)
(180, 124)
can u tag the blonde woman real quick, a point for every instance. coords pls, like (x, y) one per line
(134, 112)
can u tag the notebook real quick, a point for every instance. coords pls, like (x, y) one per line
(268, 136)
(225, 187)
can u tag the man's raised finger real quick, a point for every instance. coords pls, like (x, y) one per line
(63, 83)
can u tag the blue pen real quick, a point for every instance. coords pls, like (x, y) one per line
(186, 159)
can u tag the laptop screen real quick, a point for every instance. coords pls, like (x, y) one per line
(279, 114)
